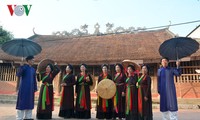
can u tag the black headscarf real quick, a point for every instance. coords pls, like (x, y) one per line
(120, 65)
(51, 66)
(83, 65)
(70, 67)
(104, 65)
(148, 68)
(132, 67)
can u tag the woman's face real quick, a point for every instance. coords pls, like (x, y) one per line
(117, 69)
(82, 68)
(48, 69)
(130, 70)
(68, 70)
(104, 69)
(144, 70)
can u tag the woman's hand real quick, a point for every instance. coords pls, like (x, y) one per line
(87, 79)
(63, 84)
(145, 98)
(137, 84)
(123, 94)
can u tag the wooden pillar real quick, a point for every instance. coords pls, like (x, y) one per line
(59, 80)
(93, 69)
(155, 82)
(179, 84)
(1, 73)
(56, 84)
(112, 71)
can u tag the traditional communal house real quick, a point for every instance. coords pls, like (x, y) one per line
(95, 50)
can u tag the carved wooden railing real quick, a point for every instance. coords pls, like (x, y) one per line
(188, 78)
(7, 73)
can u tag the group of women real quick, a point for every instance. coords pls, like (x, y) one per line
(131, 101)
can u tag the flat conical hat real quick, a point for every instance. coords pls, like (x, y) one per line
(106, 88)
(125, 63)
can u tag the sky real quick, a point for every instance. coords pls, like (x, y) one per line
(48, 16)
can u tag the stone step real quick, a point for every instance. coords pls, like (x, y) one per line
(183, 103)
(12, 99)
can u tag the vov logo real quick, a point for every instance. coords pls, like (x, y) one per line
(19, 10)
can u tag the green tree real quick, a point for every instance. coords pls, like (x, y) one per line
(5, 35)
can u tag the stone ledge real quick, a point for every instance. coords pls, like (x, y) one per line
(183, 103)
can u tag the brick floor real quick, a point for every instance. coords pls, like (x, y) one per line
(7, 87)
(8, 112)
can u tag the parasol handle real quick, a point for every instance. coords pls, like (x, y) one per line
(177, 54)
(22, 61)
(177, 58)
(22, 47)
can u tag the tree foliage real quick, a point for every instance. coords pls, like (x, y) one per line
(5, 35)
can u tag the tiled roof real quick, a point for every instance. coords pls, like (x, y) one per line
(95, 50)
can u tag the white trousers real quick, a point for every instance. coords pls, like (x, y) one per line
(169, 115)
(24, 114)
